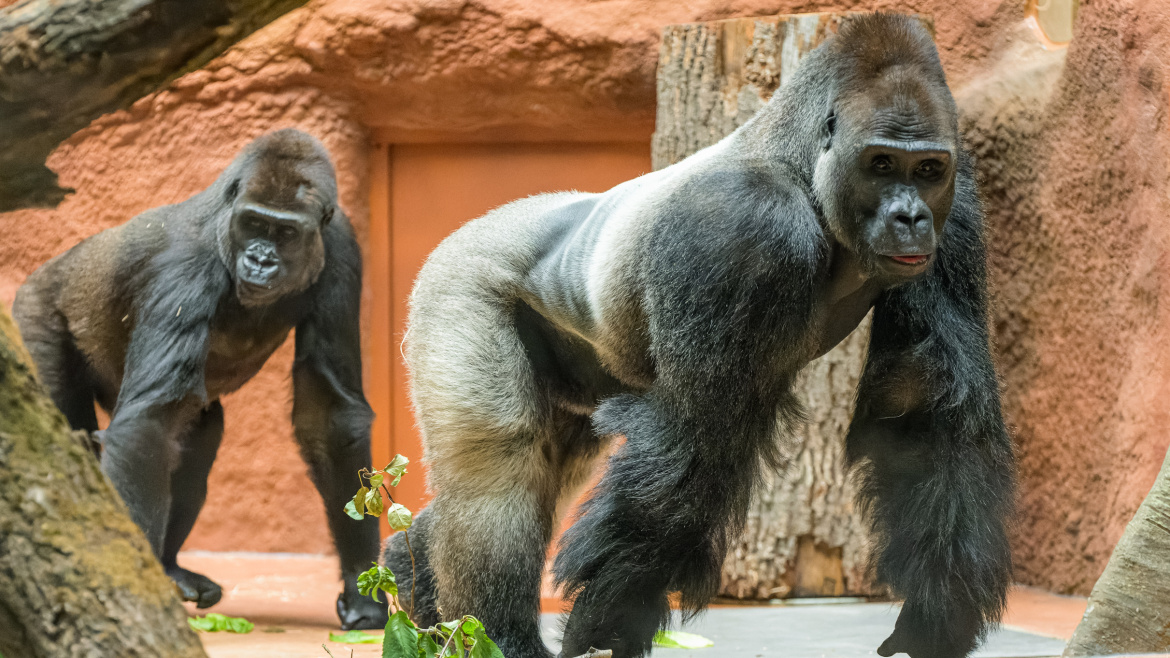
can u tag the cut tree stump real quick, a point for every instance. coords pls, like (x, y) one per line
(803, 535)
(64, 63)
(77, 577)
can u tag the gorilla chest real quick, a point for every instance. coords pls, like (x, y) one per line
(236, 354)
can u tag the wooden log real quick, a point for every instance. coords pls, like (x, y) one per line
(63, 63)
(77, 577)
(803, 536)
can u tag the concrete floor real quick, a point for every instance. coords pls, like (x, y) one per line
(290, 598)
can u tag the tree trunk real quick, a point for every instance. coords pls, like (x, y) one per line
(1129, 608)
(63, 63)
(77, 577)
(803, 536)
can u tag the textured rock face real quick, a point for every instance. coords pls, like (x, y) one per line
(1073, 157)
(1075, 166)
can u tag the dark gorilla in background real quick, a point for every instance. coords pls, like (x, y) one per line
(676, 310)
(160, 317)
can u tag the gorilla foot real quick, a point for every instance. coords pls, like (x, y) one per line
(360, 612)
(196, 587)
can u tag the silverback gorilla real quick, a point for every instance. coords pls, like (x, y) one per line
(160, 317)
(675, 310)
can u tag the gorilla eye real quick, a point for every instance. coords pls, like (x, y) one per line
(254, 225)
(285, 233)
(882, 164)
(929, 169)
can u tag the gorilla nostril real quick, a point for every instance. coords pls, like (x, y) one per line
(903, 218)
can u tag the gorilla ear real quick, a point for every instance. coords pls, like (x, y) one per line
(327, 216)
(828, 129)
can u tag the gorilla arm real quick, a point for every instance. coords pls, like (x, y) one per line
(332, 418)
(163, 384)
(938, 481)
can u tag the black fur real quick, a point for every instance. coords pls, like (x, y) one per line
(152, 320)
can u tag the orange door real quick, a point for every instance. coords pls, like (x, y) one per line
(432, 190)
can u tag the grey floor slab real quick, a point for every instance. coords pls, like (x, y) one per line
(816, 631)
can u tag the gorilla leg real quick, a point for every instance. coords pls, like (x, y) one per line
(487, 547)
(188, 492)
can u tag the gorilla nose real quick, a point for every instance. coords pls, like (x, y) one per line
(261, 262)
(909, 220)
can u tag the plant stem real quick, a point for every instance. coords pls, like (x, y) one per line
(413, 572)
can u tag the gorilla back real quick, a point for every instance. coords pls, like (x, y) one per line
(158, 318)
(676, 310)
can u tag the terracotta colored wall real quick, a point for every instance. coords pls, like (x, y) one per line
(1073, 157)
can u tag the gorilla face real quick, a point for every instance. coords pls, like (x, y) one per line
(278, 251)
(886, 176)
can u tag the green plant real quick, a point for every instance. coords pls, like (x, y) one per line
(462, 638)
(214, 622)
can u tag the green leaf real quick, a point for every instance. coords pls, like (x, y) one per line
(396, 469)
(359, 500)
(484, 647)
(354, 637)
(427, 647)
(401, 639)
(377, 578)
(375, 480)
(470, 624)
(374, 503)
(351, 510)
(681, 640)
(399, 517)
(215, 622)
(455, 646)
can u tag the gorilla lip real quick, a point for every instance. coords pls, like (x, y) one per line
(911, 259)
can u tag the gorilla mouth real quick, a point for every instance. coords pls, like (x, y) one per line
(911, 259)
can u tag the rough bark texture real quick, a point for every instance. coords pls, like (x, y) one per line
(77, 577)
(803, 535)
(1129, 609)
(63, 63)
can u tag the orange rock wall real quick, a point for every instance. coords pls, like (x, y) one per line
(1076, 179)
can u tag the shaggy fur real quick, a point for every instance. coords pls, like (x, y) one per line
(676, 310)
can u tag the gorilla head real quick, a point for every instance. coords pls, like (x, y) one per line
(886, 172)
(280, 200)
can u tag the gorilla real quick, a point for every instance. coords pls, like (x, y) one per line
(160, 317)
(675, 310)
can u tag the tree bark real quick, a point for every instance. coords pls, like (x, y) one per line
(77, 577)
(1129, 608)
(803, 536)
(63, 63)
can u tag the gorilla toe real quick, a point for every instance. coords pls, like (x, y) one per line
(196, 587)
